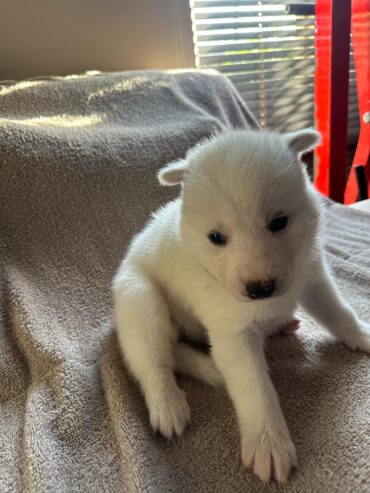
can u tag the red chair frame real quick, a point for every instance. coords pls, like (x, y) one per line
(332, 42)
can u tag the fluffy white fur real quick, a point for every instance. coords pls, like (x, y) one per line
(174, 280)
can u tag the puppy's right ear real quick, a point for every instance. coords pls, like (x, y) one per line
(173, 173)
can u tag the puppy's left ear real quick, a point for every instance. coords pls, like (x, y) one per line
(303, 141)
(173, 173)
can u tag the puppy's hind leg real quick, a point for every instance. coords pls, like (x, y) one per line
(147, 338)
(191, 361)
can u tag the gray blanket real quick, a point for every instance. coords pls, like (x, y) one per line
(78, 157)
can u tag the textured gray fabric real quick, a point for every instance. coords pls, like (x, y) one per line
(78, 158)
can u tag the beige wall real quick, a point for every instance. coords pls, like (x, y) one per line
(57, 37)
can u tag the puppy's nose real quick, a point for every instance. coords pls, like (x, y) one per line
(260, 289)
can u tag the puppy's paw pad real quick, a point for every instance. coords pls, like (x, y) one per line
(169, 413)
(270, 458)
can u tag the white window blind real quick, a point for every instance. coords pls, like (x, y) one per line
(269, 56)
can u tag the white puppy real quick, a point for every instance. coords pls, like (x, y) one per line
(229, 261)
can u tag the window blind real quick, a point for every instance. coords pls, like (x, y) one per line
(268, 54)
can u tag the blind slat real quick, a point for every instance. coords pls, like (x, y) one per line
(257, 34)
(274, 14)
(267, 66)
(279, 95)
(273, 76)
(262, 21)
(270, 4)
(251, 55)
(290, 64)
(252, 44)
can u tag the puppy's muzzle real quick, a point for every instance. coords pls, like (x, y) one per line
(260, 289)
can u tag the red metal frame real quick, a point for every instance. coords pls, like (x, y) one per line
(332, 41)
(361, 48)
(333, 24)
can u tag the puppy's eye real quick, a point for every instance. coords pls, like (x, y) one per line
(217, 238)
(278, 224)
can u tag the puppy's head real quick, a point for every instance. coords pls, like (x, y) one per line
(249, 215)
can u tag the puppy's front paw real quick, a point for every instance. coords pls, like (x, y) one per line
(269, 455)
(360, 339)
(169, 412)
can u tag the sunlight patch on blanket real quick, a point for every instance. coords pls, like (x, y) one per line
(129, 85)
(4, 91)
(57, 120)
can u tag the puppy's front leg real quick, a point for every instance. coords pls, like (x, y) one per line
(265, 440)
(321, 300)
(147, 338)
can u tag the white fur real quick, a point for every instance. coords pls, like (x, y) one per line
(174, 280)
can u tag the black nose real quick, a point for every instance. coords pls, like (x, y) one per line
(260, 289)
